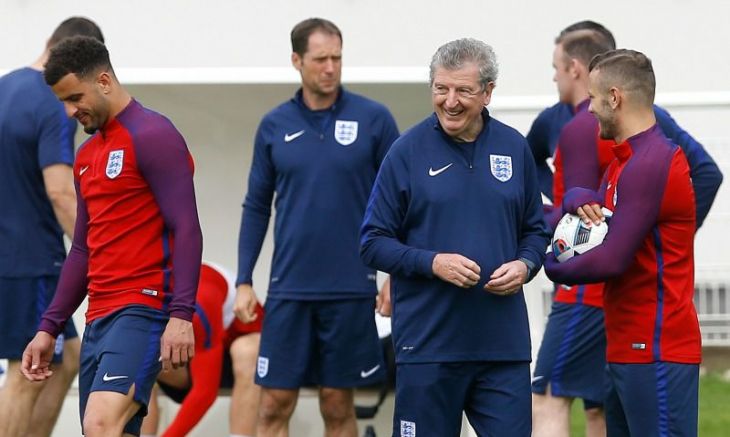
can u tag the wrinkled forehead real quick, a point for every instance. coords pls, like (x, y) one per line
(465, 75)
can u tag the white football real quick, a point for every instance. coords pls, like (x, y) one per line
(573, 237)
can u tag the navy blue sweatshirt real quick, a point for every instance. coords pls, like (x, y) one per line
(321, 165)
(480, 200)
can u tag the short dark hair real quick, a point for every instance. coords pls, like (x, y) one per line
(75, 26)
(80, 55)
(591, 25)
(628, 70)
(583, 45)
(302, 31)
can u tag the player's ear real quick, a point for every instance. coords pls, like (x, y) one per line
(614, 97)
(296, 61)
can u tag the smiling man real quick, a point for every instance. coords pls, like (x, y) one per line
(319, 152)
(136, 248)
(456, 218)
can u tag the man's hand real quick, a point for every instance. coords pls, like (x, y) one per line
(36, 362)
(177, 346)
(508, 278)
(382, 302)
(244, 306)
(591, 213)
(456, 269)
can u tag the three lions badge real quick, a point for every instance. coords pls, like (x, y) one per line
(345, 132)
(501, 166)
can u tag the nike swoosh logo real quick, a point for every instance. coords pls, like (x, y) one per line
(366, 373)
(536, 378)
(294, 136)
(83, 170)
(108, 378)
(432, 172)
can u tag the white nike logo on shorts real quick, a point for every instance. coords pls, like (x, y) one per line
(536, 378)
(108, 378)
(432, 172)
(366, 373)
(294, 136)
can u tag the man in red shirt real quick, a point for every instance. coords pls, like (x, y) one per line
(136, 249)
(646, 259)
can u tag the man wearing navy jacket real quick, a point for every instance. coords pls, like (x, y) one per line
(455, 217)
(319, 152)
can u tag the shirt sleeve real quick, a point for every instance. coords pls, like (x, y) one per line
(380, 247)
(165, 163)
(641, 189)
(706, 175)
(538, 139)
(387, 134)
(74, 280)
(256, 207)
(55, 135)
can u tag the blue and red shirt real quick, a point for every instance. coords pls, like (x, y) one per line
(706, 176)
(647, 257)
(581, 158)
(137, 237)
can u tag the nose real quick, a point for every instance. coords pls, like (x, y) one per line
(452, 99)
(69, 108)
(329, 66)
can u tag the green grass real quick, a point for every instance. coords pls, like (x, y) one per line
(714, 418)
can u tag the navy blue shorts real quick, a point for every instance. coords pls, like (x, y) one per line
(430, 399)
(572, 356)
(22, 303)
(121, 350)
(330, 343)
(652, 400)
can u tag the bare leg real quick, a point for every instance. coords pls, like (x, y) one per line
(108, 412)
(550, 415)
(245, 395)
(152, 419)
(16, 402)
(50, 401)
(338, 412)
(275, 409)
(595, 423)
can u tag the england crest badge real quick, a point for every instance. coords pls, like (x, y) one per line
(114, 163)
(345, 132)
(501, 166)
(263, 367)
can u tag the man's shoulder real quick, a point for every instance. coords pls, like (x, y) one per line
(504, 131)
(27, 88)
(281, 112)
(558, 111)
(420, 131)
(145, 123)
(363, 103)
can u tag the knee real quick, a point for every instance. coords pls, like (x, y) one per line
(273, 409)
(244, 352)
(98, 424)
(336, 405)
